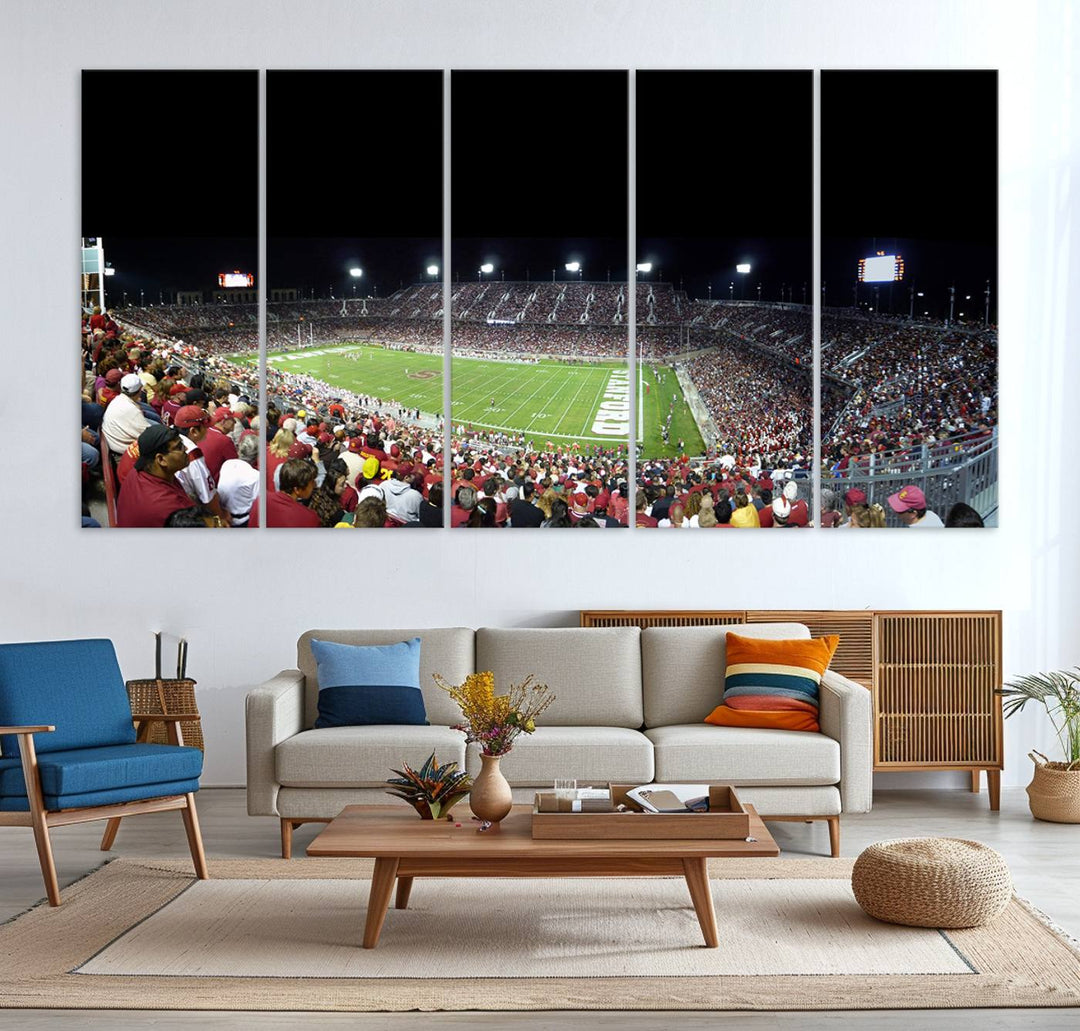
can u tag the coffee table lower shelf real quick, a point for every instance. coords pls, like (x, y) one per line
(404, 848)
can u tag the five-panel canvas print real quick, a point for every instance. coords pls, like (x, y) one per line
(625, 301)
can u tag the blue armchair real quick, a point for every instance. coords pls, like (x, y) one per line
(69, 754)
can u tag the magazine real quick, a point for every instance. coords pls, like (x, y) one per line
(671, 798)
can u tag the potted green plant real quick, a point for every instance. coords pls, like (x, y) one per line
(1054, 792)
(433, 790)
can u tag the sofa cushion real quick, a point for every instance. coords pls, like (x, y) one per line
(683, 667)
(743, 755)
(773, 683)
(362, 756)
(448, 651)
(365, 684)
(594, 673)
(585, 754)
(75, 686)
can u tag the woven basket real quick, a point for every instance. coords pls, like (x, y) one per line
(932, 882)
(160, 697)
(1054, 791)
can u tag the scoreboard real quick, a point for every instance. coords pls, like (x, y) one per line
(881, 268)
(236, 278)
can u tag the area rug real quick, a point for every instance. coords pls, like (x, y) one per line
(269, 934)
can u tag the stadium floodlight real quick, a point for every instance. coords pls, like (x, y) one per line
(645, 266)
(743, 267)
(487, 268)
(109, 270)
(356, 273)
(433, 270)
(573, 266)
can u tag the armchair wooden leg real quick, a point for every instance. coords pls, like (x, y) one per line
(286, 839)
(109, 836)
(142, 735)
(834, 836)
(191, 825)
(45, 857)
(28, 755)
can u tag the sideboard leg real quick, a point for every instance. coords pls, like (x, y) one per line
(993, 786)
(975, 781)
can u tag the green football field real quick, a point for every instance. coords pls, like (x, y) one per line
(550, 400)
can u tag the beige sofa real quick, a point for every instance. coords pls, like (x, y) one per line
(629, 707)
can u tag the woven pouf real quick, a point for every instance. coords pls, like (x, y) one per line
(932, 882)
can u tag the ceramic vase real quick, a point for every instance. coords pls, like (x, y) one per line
(490, 798)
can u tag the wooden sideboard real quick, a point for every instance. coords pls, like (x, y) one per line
(934, 676)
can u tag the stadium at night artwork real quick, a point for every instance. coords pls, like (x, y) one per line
(608, 324)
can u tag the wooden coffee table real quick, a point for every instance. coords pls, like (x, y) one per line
(404, 846)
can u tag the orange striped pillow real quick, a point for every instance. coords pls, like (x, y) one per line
(773, 684)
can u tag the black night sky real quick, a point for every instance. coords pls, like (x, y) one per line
(539, 178)
(725, 176)
(909, 160)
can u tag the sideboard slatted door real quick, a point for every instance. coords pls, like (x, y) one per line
(935, 700)
(643, 619)
(854, 656)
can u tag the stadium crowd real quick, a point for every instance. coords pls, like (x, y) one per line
(890, 389)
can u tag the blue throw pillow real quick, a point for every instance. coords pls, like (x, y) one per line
(360, 685)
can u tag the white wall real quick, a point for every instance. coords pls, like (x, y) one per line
(58, 581)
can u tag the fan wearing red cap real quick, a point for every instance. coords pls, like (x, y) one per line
(909, 503)
(194, 424)
(217, 446)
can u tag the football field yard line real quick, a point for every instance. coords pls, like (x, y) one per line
(475, 381)
(552, 401)
(570, 407)
(468, 395)
(469, 402)
(551, 378)
(596, 403)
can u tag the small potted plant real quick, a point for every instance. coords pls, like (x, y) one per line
(433, 790)
(1054, 793)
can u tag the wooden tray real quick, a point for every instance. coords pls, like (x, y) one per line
(726, 819)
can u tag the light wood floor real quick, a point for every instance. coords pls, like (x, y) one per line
(1044, 858)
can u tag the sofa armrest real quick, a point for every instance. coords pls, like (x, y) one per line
(845, 714)
(273, 712)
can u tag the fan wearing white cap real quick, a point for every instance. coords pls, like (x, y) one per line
(124, 419)
(800, 512)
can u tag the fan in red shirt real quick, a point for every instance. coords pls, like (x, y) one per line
(285, 506)
(217, 446)
(151, 493)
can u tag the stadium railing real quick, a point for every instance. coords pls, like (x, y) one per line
(944, 475)
(108, 472)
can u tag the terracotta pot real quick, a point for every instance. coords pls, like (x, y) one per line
(490, 798)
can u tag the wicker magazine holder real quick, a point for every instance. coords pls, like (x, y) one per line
(166, 697)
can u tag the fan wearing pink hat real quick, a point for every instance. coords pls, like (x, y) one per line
(909, 503)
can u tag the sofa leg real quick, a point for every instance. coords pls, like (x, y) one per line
(194, 836)
(286, 839)
(834, 836)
